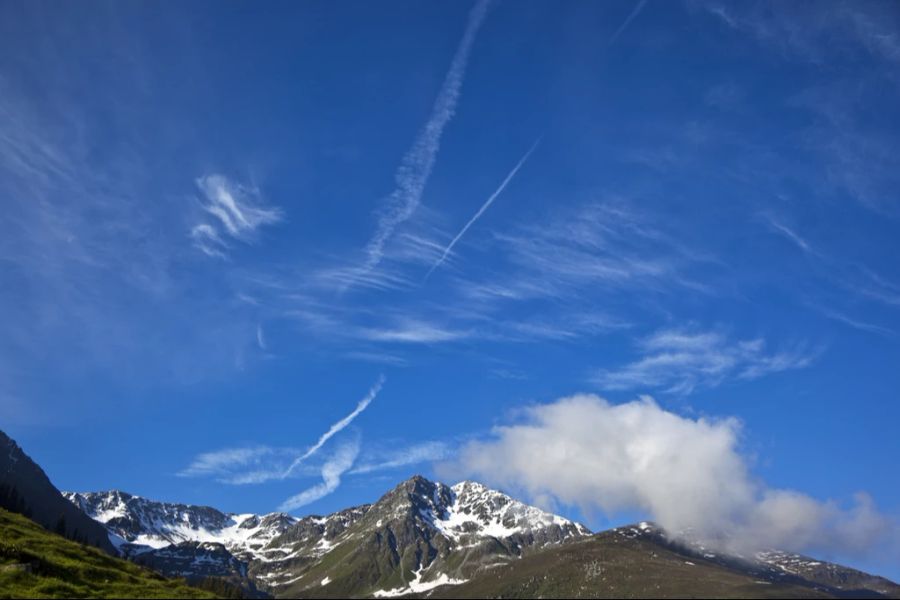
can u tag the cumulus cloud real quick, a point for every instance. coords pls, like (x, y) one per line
(238, 212)
(337, 464)
(678, 361)
(687, 474)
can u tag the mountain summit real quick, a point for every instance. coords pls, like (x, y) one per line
(419, 535)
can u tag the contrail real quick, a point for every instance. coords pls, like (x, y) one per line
(416, 166)
(373, 391)
(627, 22)
(483, 208)
(332, 471)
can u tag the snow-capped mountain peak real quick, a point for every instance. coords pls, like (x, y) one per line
(147, 524)
(477, 509)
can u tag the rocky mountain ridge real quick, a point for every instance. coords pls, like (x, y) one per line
(419, 526)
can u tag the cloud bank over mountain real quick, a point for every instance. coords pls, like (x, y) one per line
(690, 475)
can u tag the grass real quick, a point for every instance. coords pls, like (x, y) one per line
(35, 563)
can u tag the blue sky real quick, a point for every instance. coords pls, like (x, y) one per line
(233, 231)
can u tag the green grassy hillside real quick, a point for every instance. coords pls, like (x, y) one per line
(35, 563)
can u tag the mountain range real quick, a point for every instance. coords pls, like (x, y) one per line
(422, 538)
(465, 540)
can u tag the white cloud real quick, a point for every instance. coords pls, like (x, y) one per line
(410, 455)
(790, 234)
(416, 166)
(410, 331)
(336, 465)
(239, 212)
(261, 338)
(208, 240)
(377, 357)
(854, 278)
(799, 30)
(601, 246)
(98, 269)
(237, 465)
(678, 361)
(687, 474)
(259, 464)
(840, 317)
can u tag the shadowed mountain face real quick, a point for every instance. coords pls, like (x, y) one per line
(424, 534)
(641, 562)
(198, 562)
(26, 489)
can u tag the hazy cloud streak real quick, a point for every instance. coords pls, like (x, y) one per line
(410, 455)
(680, 361)
(332, 470)
(631, 17)
(337, 427)
(416, 166)
(239, 210)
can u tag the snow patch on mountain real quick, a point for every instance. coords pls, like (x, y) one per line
(479, 511)
(417, 586)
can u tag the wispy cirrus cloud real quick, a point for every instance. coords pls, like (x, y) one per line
(555, 270)
(785, 231)
(409, 455)
(418, 163)
(94, 243)
(239, 211)
(850, 129)
(835, 315)
(802, 31)
(410, 331)
(242, 465)
(851, 278)
(600, 247)
(678, 361)
(259, 464)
